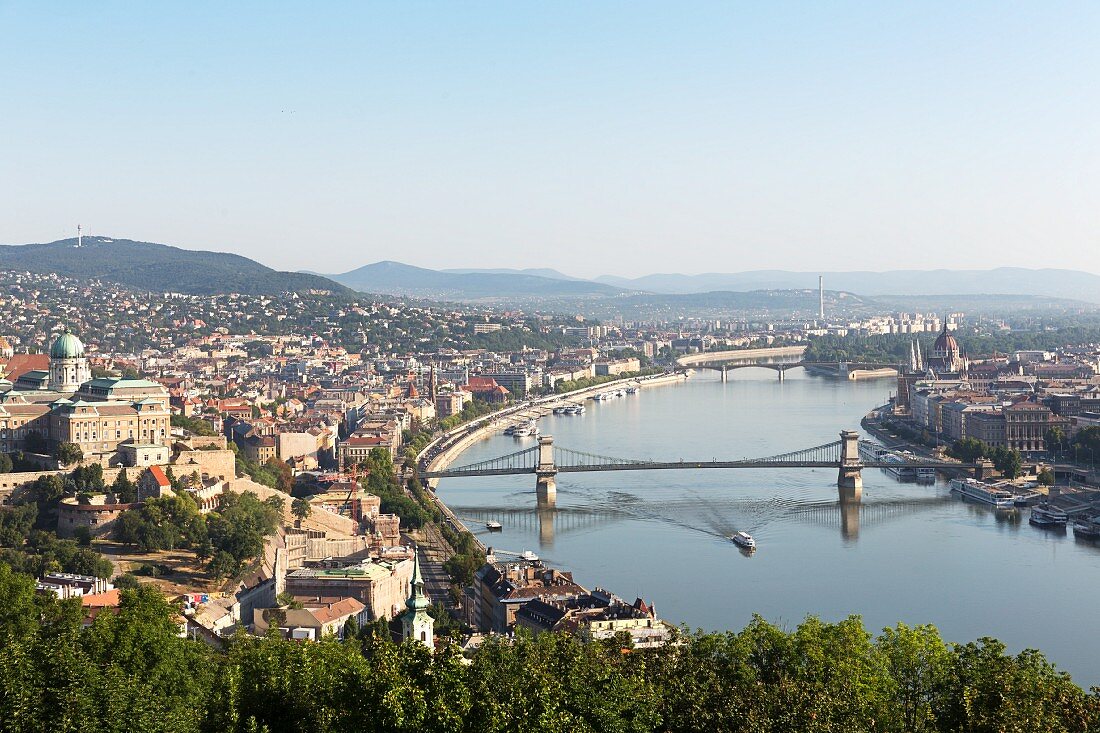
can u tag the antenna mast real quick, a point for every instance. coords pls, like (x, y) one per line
(79, 236)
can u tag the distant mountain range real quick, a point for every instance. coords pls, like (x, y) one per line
(158, 267)
(396, 278)
(999, 281)
(474, 284)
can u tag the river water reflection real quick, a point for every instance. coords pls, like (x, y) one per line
(909, 553)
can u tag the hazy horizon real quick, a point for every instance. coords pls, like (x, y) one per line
(615, 139)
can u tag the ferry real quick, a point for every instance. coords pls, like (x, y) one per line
(527, 430)
(574, 410)
(528, 555)
(997, 498)
(510, 430)
(1046, 515)
(871, 451)
(493, 526)
(561, 410)
(926, 475)
(899, 465)
(743, 539)
(632, 389)
(1087, 528)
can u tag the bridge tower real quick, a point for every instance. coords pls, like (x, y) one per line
(850, 478)
(546, 487)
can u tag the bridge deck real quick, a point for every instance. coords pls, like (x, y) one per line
(693, 465)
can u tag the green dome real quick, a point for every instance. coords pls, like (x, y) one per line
(67, 346)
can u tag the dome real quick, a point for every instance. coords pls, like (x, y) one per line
(946, 343)
(67, 346)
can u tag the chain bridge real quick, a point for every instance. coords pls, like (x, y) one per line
(546, 460)
(840, 368)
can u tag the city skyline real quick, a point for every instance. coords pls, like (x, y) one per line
(595, 140)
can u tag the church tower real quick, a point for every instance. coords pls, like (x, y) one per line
(416, 623)
(68, 367)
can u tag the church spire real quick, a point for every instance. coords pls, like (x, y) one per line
(416, 623)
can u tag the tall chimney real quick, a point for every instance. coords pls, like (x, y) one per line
(821, 297)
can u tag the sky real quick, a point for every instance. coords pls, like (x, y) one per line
(592, 137)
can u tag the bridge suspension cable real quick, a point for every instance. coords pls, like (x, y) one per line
(568, 458)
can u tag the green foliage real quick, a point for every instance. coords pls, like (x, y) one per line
(1007, 461)
(237, 530)
(44, 552)
(123, 488)
(164, 523)
(273, 473)
(68, 453)
(470, 411)
(132, 672)
(1046, 477)
(301, 508)
(586, 382)
(193, 425)
(6, 464)
(382, 482)
(16, 523)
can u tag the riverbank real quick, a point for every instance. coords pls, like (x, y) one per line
(445, 449)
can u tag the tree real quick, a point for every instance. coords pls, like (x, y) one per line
(1056, 439)
(1046, 477)
(123, 488)
(5, 463)
(68, 454)
(301, 509)
(968, 450)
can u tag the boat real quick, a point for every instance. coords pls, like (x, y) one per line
(527, 430)
(743, 539)
(1027, 499)
(926, 475)
(528, 555)
(561, 410)
(633, 389)
(493, 526)
(574, 410)
(510, 430)
(870, 451)
(1046, 515)
(974, 489)
(899, 465)
(1087, 528)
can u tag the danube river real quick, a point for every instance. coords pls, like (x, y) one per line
(909, 553)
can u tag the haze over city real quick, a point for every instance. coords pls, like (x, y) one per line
(609, 138)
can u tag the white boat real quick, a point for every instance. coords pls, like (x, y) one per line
(743, 539)
(528, 555)
(574, 410)
(899, 465)
(1046, 515)
(561, 410)
(493, 526)
(871, 451)
(997, 498)
(527, 430)
(510, 430)
(926, 475)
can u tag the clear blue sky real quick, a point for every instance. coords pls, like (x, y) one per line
(593, 137)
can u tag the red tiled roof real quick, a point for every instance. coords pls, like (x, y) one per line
(159, 475)
(20, 364)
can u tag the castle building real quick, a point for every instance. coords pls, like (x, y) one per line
(114, 421)
(946, 360)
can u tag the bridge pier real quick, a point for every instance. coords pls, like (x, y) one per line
(782, 374)
(546, 485)
(725, 374)
(849, 480)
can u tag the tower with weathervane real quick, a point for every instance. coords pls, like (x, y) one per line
(416, 623)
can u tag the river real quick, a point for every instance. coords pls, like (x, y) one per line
(909, 553)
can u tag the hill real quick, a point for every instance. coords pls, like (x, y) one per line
(157, 267)
(396, 278)
(999, 281)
